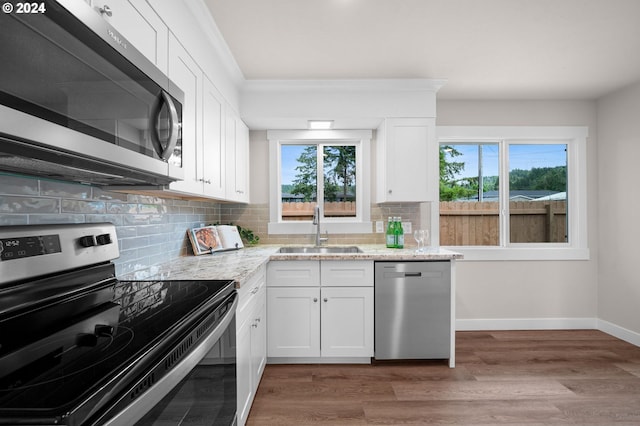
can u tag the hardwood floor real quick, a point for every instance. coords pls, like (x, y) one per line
(573, 377)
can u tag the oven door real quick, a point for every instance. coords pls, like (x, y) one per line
(195, 391)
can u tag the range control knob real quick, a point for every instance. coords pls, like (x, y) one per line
(104, 239)
(88, 241)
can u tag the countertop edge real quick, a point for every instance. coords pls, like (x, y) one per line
(242, 265)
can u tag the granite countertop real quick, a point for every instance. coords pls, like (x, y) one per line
(372, 252)
(241, 265)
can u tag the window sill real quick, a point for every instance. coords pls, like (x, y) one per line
(309, 228)
(530, 253)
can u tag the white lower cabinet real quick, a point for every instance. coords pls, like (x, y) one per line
(251, 337)
(293, 321)
(331, 317)
(346, 328)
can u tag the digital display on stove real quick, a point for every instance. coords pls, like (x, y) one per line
(20, 247)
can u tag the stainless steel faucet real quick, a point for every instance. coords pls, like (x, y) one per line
(316, 221)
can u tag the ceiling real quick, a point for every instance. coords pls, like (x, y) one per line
(486, 49)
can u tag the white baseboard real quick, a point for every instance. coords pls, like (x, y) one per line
(319, 360)
(619, 332)
(526, 324)
(549, 324)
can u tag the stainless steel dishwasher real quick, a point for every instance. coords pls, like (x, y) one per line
(412, 310)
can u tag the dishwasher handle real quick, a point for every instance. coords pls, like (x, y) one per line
(391, 272)
(398, 274)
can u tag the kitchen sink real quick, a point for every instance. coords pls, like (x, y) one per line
(326, 249)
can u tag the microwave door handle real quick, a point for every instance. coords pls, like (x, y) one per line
(174, 126)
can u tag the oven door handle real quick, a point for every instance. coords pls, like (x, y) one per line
(217, 333)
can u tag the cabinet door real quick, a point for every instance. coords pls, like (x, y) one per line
(237, 146)
(242, 167)
(347, 321)
(184, 71)
(212, 158)
(141, 26)
(259, 343)
(293, 321)
(245, 386)
(407, 157)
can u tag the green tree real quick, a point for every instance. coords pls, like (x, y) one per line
(539, 178)
(339, 171)
(450, 187)
(306, 177)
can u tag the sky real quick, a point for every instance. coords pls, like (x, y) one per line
(524, 157)
(289, 155)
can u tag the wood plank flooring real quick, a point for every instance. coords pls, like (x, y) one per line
(565, 377)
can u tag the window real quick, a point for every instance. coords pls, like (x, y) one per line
(513, 192)
(302, 182)
(308, 166)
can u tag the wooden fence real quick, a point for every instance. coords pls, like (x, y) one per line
(304, 210)
(474, 223)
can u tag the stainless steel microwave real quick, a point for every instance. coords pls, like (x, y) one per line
(78, 102)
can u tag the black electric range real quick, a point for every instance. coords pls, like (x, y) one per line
(77, 346)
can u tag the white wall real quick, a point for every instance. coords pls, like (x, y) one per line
(619, 207)
(531, 294)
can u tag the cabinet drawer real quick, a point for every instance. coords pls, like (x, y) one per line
(351, 273)
(296, 273)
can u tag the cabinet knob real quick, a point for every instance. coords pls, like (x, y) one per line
(325, 299)
(105, 10)
(315, 299)
(390, 191)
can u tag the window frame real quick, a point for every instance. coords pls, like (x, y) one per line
(361, 139)
(575, 137)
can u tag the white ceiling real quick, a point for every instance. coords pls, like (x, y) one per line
(486, 49)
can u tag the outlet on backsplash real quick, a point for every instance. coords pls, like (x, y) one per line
(406, 227)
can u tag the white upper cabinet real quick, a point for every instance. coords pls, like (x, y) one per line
(237, 154)
(203, 127)
(184, 72)
(215, 141)
(140, 25)
(407, 156)
(212, 159)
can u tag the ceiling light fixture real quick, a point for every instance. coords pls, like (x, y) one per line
(320, 124)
